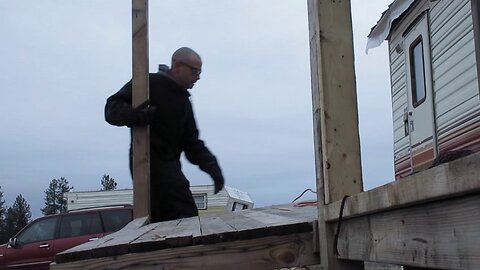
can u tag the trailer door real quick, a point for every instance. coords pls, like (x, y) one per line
(419, 119)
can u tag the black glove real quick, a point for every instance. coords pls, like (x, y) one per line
(143, 114)
(215, 172)
(218, 181)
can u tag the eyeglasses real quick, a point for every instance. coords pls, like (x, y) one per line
(195, 71)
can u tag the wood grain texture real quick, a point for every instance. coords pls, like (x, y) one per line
(195, 231)
(447, 180)
(250, 224)
(120, 244)
(262, 253)
(170, 234)
(303, 213)
(140, 93)
(133, 229)
(438, 235)
(334, 99)
(214, 230)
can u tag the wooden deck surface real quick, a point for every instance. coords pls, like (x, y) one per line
(269, 237)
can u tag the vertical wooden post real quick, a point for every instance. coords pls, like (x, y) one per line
(337, 143)
(140, 84)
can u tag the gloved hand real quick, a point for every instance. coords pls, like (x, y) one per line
(215, 172)
(143, 114)
(218, 181)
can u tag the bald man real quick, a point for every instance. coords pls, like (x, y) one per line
(172, 131)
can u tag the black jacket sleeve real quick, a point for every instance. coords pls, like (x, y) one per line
(118, 109)
(197, 153)
(195, 150)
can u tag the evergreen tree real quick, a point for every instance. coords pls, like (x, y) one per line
(108, 183)
(54, 201)
(18, 216)
(3, 216)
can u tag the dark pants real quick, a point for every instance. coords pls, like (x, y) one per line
(170, 195)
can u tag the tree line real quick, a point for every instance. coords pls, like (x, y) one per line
(17, 216)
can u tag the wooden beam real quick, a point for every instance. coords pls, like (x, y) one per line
(438, 235)
(335, 98)
(263, 253)
(336, 137)
(448, 180)
(141, 135)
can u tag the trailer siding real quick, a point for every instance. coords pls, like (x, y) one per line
(216, 203)
(399, 90)
(454, 70)
(91, 199)
(454, 78)
(399, 101)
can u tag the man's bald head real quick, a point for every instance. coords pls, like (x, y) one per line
(184, 54)
(186, 67)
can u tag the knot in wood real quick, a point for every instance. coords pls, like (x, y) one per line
(286, 257)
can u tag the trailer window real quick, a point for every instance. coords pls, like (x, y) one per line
(417, 72)
(200, 201)
(239, 206)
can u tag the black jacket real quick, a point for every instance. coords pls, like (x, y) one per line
(173, 129)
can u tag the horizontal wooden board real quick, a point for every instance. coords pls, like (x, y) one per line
(447, 180)
(214, 230)
(119, 243)
(438, 235)
(226, 227)
(262, 253)
(175, 233)
(252, 224)
(85, 251)
(298, 213)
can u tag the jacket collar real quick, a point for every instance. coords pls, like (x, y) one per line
(166, 74)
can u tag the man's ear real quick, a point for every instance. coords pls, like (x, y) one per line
(175, 65)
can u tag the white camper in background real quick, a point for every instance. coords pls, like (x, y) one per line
(434, 71)
(228, 199)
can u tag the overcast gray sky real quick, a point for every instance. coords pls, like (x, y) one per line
(60, 60)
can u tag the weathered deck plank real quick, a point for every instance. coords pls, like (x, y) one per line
(299, 213)
(262, 253)
(448, 180)
(225, 228)
(438, 235)
(119, 243)
(175, 233)
(214, 230)
(82, 252)
(253, 224)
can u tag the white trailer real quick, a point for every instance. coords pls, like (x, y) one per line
(228, 199)
(434, 72)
